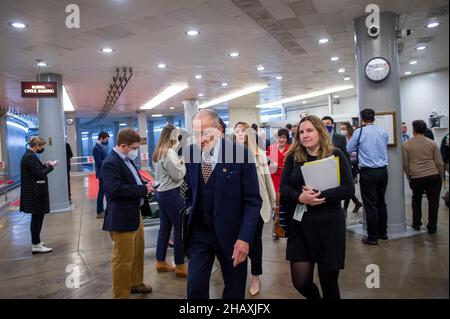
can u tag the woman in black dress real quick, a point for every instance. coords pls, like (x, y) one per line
(34, 195)
(320, 236)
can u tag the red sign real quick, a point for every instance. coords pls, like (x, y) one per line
(2, 165)
(39, 89)
(144, 156)
(90, 159)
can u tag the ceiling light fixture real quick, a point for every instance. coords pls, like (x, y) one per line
(408, 73)
(412, 62)
(341, 70)
(171, 107)
(123, 124)
(304, 102)
(198, 76)
(18, 25)
(336, 96)
(420, 48)
(231, 96)
(200, 94)
(260, 68)
(324, 40)
(432, 25)
(192, 33)
(234, 54)
(224, 84)
(162, 66)
(305, 96)
(347, 78)
(107, 50)
(279, 77)
(166, 94)
(334, 58)
(67, 102)
(157, 115)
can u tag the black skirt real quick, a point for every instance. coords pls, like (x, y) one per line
(318, 238)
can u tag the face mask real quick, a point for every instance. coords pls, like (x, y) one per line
(132, 155)
(329, 128)
(343, 132)
(40, 151)
(104, 143)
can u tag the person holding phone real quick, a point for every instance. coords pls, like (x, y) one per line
(318, 237)
(34, 194)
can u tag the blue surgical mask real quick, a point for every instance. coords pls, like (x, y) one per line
(132, 155)
(329, 128)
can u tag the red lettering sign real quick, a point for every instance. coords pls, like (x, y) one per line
(39, 89)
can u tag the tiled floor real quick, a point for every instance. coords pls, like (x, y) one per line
(412, 267)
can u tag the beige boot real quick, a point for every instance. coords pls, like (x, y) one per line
(163, 266)
(181, 270)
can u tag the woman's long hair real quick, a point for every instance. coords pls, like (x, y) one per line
(250, 138)
(349, 128)
(325, 146)
(168, 138)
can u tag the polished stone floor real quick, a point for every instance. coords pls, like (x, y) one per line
(412, 267)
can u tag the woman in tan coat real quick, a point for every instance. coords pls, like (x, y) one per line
(243, 134)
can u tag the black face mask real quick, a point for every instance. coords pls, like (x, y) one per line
(40, 151)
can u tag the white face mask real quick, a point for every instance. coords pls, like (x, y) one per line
(132, 155)
(343, 132)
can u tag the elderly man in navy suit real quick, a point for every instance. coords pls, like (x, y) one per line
(225, 200)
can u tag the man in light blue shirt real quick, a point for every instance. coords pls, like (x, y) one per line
(370, 143)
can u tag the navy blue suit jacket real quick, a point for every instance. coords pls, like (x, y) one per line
(123, 195)
(237, 199)
(99, 153)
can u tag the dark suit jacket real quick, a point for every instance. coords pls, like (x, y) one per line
(340, 142)
(123, 195)
(99, 153)
(34, 195)
(237, 200)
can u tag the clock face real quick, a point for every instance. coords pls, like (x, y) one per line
(377, 69)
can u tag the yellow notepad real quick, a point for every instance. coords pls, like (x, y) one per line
(322, 174)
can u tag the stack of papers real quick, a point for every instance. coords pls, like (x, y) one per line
(322, 174)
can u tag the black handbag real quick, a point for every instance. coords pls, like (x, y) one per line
(185, 214)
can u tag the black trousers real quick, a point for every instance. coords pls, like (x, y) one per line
(431, 185)
(204, 247)
(35, 227)
(256, 250)
(68, 184)
(373, 188)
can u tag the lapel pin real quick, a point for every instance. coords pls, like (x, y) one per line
(224, 170)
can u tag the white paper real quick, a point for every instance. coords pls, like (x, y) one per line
(321, 175)
(299, 211)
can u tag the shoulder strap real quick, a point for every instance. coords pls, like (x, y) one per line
(357, 144)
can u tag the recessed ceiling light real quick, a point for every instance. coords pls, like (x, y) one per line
(192, 33)
(107, 50)
(157, 115)
(123, 124)
(162, 66)
(408, 73)
(432, 25)
(304, 102)
(347, 78)
(18, 25)
(279, 77)
(224, 84)
(412, 62)
(234, 54)
(336, 96)
(420, 48)
(323, 41)
(198, 76)
(341, 70)
(260, 68)
(201, 95)
(334, 58)
(171, 107)
(41, 63)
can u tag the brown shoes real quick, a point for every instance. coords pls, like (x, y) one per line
(141, 289)
(163, 266)
(181, 270)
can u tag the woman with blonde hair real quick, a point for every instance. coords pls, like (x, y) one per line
(34, 194)
(169, 174)
(243, 135)
(319, 235)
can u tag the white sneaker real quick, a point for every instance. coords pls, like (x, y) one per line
(40, 249)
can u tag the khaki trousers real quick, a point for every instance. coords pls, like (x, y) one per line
(127, 261)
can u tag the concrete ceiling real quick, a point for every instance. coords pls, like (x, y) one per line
(281, 35)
